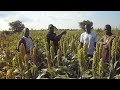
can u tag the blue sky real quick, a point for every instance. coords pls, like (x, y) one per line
(61, 19)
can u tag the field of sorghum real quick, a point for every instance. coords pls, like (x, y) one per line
(70, 62)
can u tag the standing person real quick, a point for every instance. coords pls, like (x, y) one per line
(108, 37)
(27, 41)
(90, 38)
(51, 36)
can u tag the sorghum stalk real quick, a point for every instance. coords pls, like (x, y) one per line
(85, 47)
(100, 51)
(64, 49)
(58, 56)
(22, 49)
(31, 52)
(97, 51)
(48, 60)
(81, 61)
(117, 76)
(26, 62)
(52, 52)
(94, 64)
(9, 74)
(19, 55)
(35, 55)
(101, 69)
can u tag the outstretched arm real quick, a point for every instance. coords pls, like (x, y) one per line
(60, 35)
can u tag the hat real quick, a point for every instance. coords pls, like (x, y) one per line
(50, 26)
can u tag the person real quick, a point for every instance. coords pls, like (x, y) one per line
(108, 37)
(27, 41)
(51, 36)
(89, 38)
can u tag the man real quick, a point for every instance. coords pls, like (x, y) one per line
(51, 36)
(108, 37)
(90, 38)
(27, 41)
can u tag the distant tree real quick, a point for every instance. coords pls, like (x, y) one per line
(16, 26)
(85, 22)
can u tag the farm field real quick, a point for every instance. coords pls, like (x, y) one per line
(70, 62)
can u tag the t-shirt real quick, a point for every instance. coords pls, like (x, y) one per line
(29, 43)
(90, 39)
(52, 37)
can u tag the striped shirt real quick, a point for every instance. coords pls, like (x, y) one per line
(29, 43)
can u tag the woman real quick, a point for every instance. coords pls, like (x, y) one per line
(106, 39)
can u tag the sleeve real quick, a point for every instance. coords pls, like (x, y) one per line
(81, 38)
(95, 38)
(19, 43)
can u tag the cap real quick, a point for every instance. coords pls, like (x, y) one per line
(50, 26)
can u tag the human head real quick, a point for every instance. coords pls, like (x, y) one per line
(51, 28)
(26, 32)
(107, 29)
(88, 28)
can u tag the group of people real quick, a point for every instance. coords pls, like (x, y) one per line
(91, 39)
(88, 36)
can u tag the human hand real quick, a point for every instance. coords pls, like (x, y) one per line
(105, 46)
(64, 32)
(104, 43)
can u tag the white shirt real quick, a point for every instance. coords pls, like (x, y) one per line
(90, 39)
(29, 43)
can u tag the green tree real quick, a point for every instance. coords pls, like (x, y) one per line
(16, 26)
(85, 22)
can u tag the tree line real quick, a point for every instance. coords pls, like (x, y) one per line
(18, 26)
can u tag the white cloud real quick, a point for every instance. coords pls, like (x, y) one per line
(62, 19)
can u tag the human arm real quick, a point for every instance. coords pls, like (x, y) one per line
(60, 35)
(19, 43)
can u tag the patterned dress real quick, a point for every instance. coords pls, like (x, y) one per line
(105, 51)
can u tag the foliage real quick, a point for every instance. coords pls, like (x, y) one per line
(71, 60)
(85, 22)
(16, 26)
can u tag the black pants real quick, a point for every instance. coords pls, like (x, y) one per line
(89, 63)
(90, 55)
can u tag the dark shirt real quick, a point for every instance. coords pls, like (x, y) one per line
(55, 39)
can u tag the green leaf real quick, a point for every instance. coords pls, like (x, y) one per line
(115, 64)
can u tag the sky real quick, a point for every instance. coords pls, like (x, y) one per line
(60, 19)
